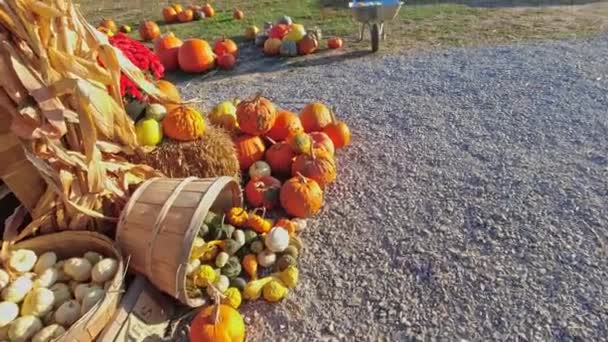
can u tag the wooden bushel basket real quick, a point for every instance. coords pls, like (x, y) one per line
(159, 223)
(76, 243)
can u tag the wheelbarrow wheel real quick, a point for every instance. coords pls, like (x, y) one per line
(375, 35)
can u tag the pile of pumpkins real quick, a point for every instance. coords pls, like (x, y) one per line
(287, 158)
(109, 27)
(176, 13)
(289, 39)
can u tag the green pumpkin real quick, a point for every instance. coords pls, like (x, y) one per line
(232, 268)
(289, 48)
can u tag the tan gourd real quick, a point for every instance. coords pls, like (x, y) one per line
(46, 260)
(49, 333)
(90, 299)
(62, 294)
(78, 268)
(17, 290)
(22, 260)
(104, 270)
(93, 257)
(82, 290)
(46, 278)
(68, 313)
(24, 328)
(8, 312)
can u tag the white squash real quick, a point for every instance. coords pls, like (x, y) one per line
(192, 266)
(62, 294)
(78, 268)
(83, 289)
(4, 333)
(22, 260)
(277, 239)
(68, 313)
(8, 312)
(90, 299)
(4, 279)
(38, 302)
(16, 291)
(46, 260)
(266, 258)
(47, 278)
(49, 333)
(24, 328)
(93, 257)
(104, 270)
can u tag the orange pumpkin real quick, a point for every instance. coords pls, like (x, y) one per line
(228, 328)
(184, 123)
(256, 116)
(109, 24)
(238, 14)
(195, 55)
(278, 31)
(322, 141)
(319, 166)
(301, 197)
(225, 45)
(148, 30)
(166, 48)
(177, 7)
(208, 10)
(315, 116)
(338, 132)
(249, 149)
(263, 192)
(280, 157)
(300, 142)
(308, 44)
(286, 124)
(335, 43)
(185, 16)
(226, 61)
(272, 46)
(169, 14)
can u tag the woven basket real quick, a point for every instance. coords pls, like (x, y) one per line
(159, 223)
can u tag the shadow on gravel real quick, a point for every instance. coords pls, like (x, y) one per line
(475, 3)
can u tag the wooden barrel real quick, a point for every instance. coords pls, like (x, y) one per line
(159, 223)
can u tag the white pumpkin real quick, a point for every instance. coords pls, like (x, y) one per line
(16, 291)
(45, 261)
(8, 312)
(4, 279)
(93, 257)
(78, 268)
(24, 328)
(277, 239)
(62, 294)
(47, 278)
(49, 333)
(104, 270)
(90, 299)
(68, 313)
(38, 302)
(266, 258)
(22, 260)
(83, 289)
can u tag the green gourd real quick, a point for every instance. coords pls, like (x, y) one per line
(257, 246)
(239, 283)
(250, 235)
(284, 262)
(289, 48)
(203, 230)
(231, 246)
(232, 268)
(291, 251)
(221, 259)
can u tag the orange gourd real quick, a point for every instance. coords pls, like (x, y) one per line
(166, 48)
(184, 123)
(263, 192)
(169, 14)
(229, 326)
(301, 197)
(286, 124)
(322, 141)
(225, 45)
(250, 265)
(287, 224)
(338, 132)
(308, 45)
(208, 10)
(148, 30)
(226, 61)
(185, 16)
(280, 157)
(318, 166)
(109, 24)
(300, 143)
(335, 43)
(272, 46)
(238, 14)
(256, 116)
(237, 216)
(195, 55)
(315, 116)
(258, 223)
(249, 150)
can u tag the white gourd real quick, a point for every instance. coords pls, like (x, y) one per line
(104, 270)
(299, 223)
(46, 260)
(90, 299)
(16, 291)
(78, 268)
(192, 266)
(266, 258)
(24, 328)
(47, 278)
(38, 302)
(4, 279)
(93, 257)
(22, 260)
(83, 289)
(30, 275)
(239, 236)
(68, 313)
(277, 239)
(49, 333)
(62, 294)
(8, 312)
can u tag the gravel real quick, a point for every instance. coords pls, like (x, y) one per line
(472, 204)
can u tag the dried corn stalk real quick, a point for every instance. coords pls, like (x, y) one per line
(65, 110)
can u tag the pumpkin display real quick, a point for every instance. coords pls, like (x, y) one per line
(251, 32)
(296, 33)
(256, 116)
(308, 44)
(249, 150)
(238, 14)
(195, 55)
(169, 14)
(289, 48)
(301, 197)
(335, 42)
(109, 24)
(166, 47)
(318, 166)
(287, 123)
(286, 20)
(278, 31)
(229, 326)
(225, 45)
(208, 10)
(338, 132)
(272, 46)
(226, 61)
(184, 123)
(185, 16)
(322, 141)
(300, 143)
(315, 116)
(263, 192)
(148, 30)
(280, 157)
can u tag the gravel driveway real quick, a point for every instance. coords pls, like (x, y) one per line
(472, 205)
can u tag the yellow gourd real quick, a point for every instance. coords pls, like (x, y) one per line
(289, 276)
(233, 297)
(253, 289)
(237, 216)
(204, 276)
(274, 291)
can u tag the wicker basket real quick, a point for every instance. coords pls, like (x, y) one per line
(76, 243)
(159, 223)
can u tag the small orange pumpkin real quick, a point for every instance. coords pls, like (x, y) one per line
(148, 30)
(300, 143)
(185, 16)
(237, 216)
(226, 61)
(229, 326)
(249, 150)
(318, 166)
(301, 197)
(263, 192)
(322, 140)
(280, 157)
(338, 132)
(238, 14)
(272, 46)
(195, 55)
(315, 116)
(256, 116)
(286, 124)
(335, 43)
(225, 45)
(184, 123)
(208, 10)
(169, 14)
(166, 48)
(308, 45)
(109, 24)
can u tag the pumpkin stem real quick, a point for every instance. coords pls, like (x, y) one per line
(302, 178)
(332, 112)
(312, 152)
(272, 141)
